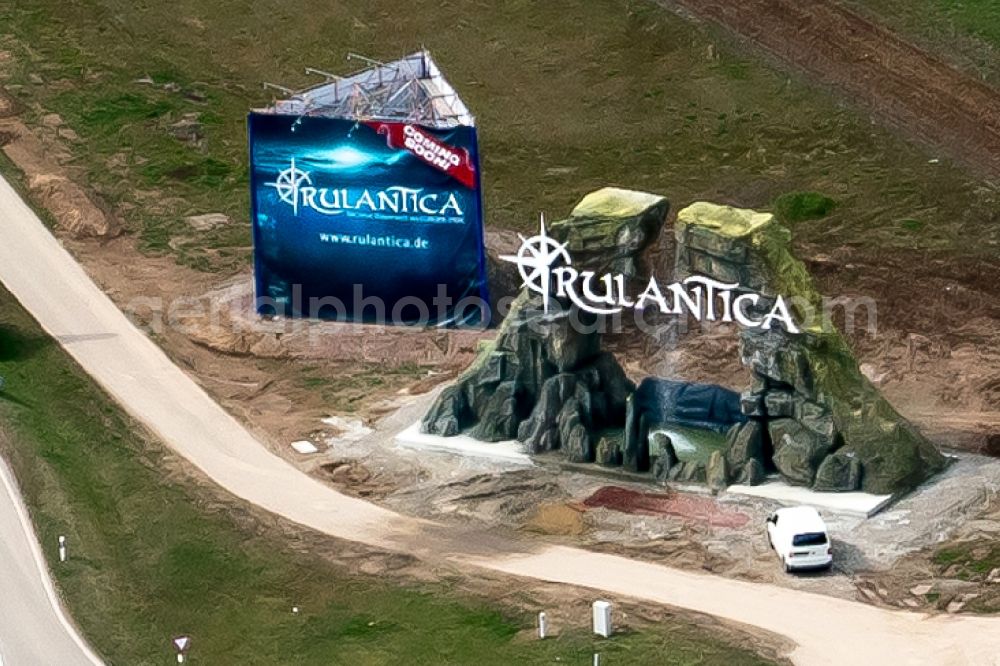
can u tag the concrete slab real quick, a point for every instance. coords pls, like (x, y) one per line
(510, 451)
(304, 446)
(855, 503)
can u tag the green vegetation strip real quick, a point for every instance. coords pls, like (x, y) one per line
(973, 560)
(801, 206)
(150, 559)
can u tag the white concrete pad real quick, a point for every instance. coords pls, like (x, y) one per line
(349, 430)
(508, 451)
(304, 446)
(856, 503)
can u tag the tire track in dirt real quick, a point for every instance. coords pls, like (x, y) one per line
(903, 85)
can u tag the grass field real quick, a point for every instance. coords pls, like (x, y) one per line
(967, 32)
(570, 96)
(149, 560)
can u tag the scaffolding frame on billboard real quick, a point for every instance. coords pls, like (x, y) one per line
(411, 90)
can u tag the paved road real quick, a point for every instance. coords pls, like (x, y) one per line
(142, 379)
(33, 627)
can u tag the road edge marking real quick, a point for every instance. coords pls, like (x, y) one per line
(10, 485)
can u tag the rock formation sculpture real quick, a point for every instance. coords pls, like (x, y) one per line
(809, 415)
(545, 379)
(812, 415)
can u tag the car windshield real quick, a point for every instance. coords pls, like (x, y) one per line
(809, 539)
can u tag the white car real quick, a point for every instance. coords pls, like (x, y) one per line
(798, 535)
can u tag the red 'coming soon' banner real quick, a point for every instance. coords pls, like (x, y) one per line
(453, 161)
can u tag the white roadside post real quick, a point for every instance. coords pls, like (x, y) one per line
(602, 618)
(182, 644)
(597, 659)
(542, 624)
(62, 548)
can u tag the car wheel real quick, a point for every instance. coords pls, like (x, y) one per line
(788, 567)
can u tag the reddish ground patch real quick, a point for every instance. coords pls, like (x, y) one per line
(691, 507)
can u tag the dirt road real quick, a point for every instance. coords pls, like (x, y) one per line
(46, 279)
(929, 100)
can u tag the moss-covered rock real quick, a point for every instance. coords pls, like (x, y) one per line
(543, 380)
(449, 415)
(811, 378)
(609, 449)
(498, 420)
(751, 474)
(840, 471)
(809, 411)
(741, 245)
(798, 452)
(801, 206)
(717, 472)
(691, 471)
(745, 442)
(609, 229)
(664, 455)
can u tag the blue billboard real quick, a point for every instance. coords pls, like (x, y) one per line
(367, 221)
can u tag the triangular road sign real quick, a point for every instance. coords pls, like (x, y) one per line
(182, 643)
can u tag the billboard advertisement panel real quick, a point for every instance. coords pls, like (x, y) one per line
(366, 221)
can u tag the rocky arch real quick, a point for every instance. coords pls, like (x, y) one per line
(809, 413)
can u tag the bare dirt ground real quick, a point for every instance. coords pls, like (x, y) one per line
(942, 374)
(927, 98)
(935, 351)
(961, 574)
(934, 354)
(565, 606)
(285, 395)
(681, 526)
(270, 373)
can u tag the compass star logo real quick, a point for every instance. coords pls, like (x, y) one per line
(535, 260)
(542, 258)
(288, 183)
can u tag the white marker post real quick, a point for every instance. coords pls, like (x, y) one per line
(602, 618)
(542, 625)
(182, 644)
(597, 659)
(62, 548)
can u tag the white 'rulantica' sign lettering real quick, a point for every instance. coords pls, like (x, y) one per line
(546, 268)
(295, 188)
